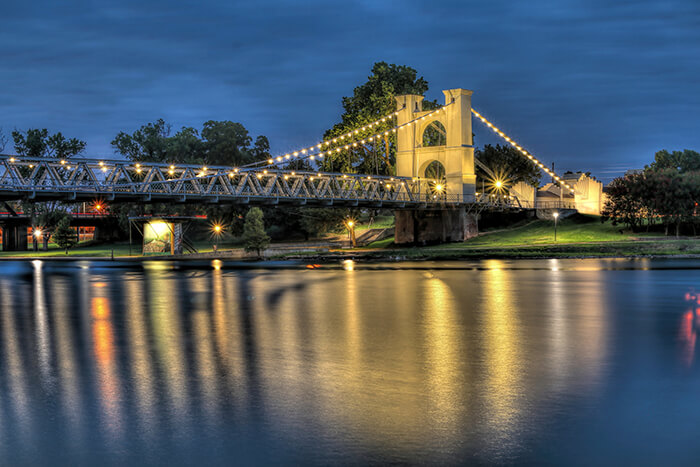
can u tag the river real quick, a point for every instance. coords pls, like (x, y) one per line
(545, 362)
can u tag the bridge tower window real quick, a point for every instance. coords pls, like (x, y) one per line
(434, 135)
(435, 171)
(436, 177)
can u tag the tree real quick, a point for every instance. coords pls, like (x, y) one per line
(623, 204)
(317, 221)
(147, 144)
(370, 101)
(226, 143)
(664, 194)
(219, 143)
(185, 147)
(3, 140)
(506, 163)
(261, 148)
(37, 143)
(681, 161)
(64, 236)
(671, 195)
(254, 236)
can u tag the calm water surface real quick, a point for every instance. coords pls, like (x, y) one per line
(553, 361)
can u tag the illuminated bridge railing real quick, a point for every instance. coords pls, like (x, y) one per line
(89, 179)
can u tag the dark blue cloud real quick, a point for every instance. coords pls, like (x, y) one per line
(587, 84)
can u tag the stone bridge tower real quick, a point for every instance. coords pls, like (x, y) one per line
(416, 151)
(438, 147)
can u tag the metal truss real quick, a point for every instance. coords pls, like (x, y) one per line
(114, 180)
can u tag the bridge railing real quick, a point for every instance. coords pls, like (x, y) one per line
(565, 204)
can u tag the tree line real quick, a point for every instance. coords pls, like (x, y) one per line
(666, 192)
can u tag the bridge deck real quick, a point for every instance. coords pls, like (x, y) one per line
(117, 180)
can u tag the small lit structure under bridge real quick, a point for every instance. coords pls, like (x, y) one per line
(163, 234)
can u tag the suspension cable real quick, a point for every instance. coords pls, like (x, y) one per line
(318, 146)
(350, 144)
(524, 152)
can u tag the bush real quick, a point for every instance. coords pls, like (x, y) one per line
(64, 236)
(254, 236)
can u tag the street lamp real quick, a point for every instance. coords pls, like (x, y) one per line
(37, 233)
(217, 230)
(351, 227)
(556, 217)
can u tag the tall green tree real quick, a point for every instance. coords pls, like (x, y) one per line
(681, 161)
(3, 140)
(64, 235)
(372, 100)
(185, 146)
(254, 236)
(317, 221)
(147, 144)
(663, 194)
(261, 148)
(226, 143)
(36, 142)
(624, 205)
(671, 195)
(218, 143)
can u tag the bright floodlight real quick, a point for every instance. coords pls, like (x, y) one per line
(556, 214)
(37, 233)
(438, 187)
(499, 184)
(350, 224)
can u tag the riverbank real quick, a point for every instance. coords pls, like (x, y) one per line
(577, 237)
(580, 236)
(390, 252)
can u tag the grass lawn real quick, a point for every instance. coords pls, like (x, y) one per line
(579, 235)
(380, 222)
(85, 249)
(576, 236)
(576, 229)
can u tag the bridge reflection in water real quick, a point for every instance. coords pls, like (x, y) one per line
(160, 365)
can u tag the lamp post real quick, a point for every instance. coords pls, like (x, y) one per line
(351, 227)
(37, 235)
(217, 229)
(556, 218)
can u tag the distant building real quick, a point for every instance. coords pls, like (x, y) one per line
(588, 196)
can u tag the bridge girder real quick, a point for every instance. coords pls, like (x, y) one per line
(115, 180)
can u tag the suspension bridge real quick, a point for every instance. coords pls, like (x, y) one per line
(432, 175)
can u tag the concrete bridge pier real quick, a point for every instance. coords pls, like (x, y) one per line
(425, 226)
(14, 236)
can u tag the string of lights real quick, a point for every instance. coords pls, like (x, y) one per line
(326, 143)
(350, 144)
(524, 152)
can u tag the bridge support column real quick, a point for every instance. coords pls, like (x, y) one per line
(14, 237)
(425, 226)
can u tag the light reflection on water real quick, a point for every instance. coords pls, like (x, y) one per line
(491, 362)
